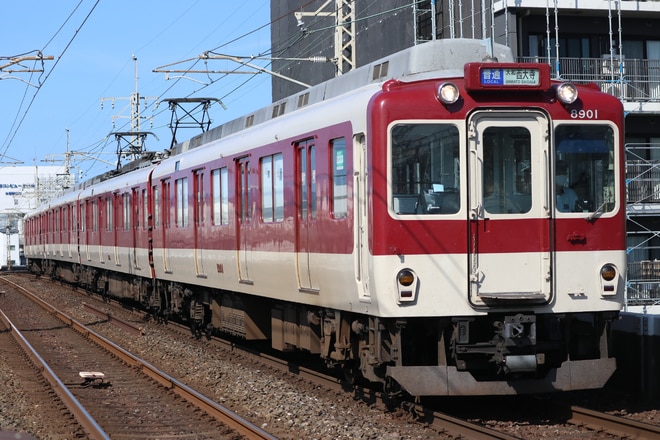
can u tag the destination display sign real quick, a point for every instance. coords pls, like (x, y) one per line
(505, 77)
(509, 77)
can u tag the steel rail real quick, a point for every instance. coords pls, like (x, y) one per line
(86, 421)
(220, 413)
(619, 426)
(106, 316)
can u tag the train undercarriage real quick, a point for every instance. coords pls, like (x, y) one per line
(508, 353)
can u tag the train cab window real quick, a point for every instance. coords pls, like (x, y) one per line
(220, 196)
(181, 186)
(272, 188)
(339, 183)
(584, 169)
(425, 169)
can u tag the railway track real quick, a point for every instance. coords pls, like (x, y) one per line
(439, 422)
(27, 387)
(107, 390)
(620, 427)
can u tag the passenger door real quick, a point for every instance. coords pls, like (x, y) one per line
(243, 217)
(509, 234)
(306, 214)
(198, 221)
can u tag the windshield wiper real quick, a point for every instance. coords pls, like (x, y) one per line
(595, 214)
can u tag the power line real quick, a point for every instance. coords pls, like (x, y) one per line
(8, 143)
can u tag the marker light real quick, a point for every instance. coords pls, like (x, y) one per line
(567, 93)
(448, 93)
(405, 277)
(608, 272)
(407, 286)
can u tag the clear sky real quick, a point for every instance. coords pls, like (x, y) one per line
(93, 43)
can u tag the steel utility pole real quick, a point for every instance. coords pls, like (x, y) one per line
(131, 143)
(344, 14)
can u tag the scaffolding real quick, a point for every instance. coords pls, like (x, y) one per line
(643, 235)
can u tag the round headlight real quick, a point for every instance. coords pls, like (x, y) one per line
(405, 277)
(448, 93)
(608, 272)
(567, 93)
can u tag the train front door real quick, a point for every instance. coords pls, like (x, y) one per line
(509, 239)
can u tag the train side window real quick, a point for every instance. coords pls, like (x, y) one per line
(312, 183)
(306, 180)
(95, 215)
(220, 196)
(83, 216)
(339, 183)
(181, 186)
(145, 208)
(108, 213)
(425, 169)
(156, 201)
(272, 188)
(199, 197)
(126, 201)
(166, 195)
(65, 218)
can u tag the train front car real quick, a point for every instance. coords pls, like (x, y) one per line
(497, 239)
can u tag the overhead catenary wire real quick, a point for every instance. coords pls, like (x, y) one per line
(8, 142)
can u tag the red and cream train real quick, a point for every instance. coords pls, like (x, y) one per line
(443, 221)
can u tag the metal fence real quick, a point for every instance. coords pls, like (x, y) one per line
(643, 285)
(627, 79)
(642, 181)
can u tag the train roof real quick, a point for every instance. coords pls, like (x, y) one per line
(437, 59)
(443, 58)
